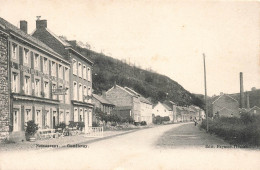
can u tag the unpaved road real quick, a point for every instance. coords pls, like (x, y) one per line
(177, 146)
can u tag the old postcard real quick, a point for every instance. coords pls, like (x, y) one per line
(120, 84)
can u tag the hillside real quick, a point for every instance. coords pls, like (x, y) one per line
(107, 71)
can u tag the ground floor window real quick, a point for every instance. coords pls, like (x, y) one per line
(16, 115)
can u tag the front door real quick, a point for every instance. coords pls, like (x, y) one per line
(15, 120)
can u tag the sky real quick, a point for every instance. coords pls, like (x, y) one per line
(167, 36)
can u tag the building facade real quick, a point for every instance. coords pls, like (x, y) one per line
(35, 72)
(163, 110)
(130, 104)
(80, 74)
(39, 82)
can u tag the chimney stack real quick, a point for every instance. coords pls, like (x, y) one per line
(23, 26)
(41, 24)
(242, 100)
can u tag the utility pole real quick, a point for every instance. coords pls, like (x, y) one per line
(205, 84)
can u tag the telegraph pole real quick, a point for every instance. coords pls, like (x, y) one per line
(205, 84)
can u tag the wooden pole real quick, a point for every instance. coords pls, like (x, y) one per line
(205, 84)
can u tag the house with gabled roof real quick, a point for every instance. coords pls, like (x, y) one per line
(225, 105)
(129, 103)
(102, 103)
(162, 110)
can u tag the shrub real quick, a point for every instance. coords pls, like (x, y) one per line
(143, 123)
(31, 128)
(72, 124)
(95, 124)
(243, 130)
(62, 125)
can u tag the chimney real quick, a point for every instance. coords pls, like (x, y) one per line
(241, 91)
(23, 26)
(41, 24)
(247, 100)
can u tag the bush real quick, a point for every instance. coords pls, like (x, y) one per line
(95, 124)
(80, 125)
(62, 125)
(31, 128)
(243, 130)
(143, 123)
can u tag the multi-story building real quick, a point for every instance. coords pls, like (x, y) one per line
(34, 74)
(80, 74)
(42, 78)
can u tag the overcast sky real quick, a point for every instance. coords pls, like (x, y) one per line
(168, 36)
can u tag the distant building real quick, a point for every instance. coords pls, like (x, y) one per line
(162, 110)
(102, 103)
(130, 104)
(225, 105)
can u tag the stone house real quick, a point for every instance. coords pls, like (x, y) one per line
(130, 104)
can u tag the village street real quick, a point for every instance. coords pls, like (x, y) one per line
(175, 146)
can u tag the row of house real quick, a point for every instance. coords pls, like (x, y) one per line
(126, 102)
(42, 78)
(178, 113)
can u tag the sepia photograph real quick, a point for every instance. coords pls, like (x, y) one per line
(122, 84)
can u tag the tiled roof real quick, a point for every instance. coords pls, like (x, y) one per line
(25, 36)
(102, 100)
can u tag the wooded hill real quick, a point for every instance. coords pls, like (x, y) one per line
(157, 87)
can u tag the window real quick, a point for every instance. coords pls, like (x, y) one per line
(66, 77)
(53, 68)
(89, 74)
(89, 94)
(27, 115)
(46, 89)
(27, 85)
(14, 51)
(85, 93)
(15, 82)
(84, 72)
(38, 118)
(36, 61)
(47, 119)
(76, 118)
(37, 87)
(45, 66)
(75, 69)
(80, 70)
(80, 92)
(60, 71)
(26, 56)
(61, 97)
(81, 115)
(54, 86)
(67, 96)
(75, 91)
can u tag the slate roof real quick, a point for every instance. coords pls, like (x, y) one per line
(102, 100)
(10, 27)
